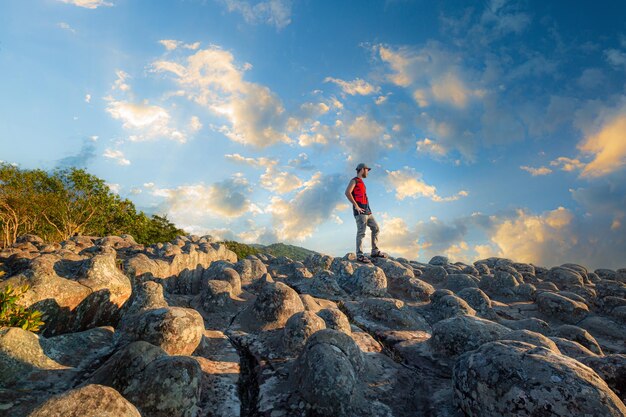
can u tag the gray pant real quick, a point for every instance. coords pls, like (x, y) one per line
(363, 220)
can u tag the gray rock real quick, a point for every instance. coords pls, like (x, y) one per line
(502, 283)
(582, 336)
(449, 306)
(564, 277)
(562, 308)
(532, 324)
(477, 299)
(572, 349)
(606, 274)
(506, 375)
(434, 274)
(318, 262)
(22, 359)
(439, 260)
(457, 282)
(216, 295)
(612, 369)
(366, 281)
(606, 288)
(298, 329)
(146, 295)
(176, 330)
(327, 372)
(457, 335)
(324, 285)
(533, 338)
(335, 319)
(87, 401)
(274, 305)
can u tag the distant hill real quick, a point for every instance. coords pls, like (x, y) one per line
(296, 253)
(276, 249)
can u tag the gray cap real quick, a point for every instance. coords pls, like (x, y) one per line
(361, 166)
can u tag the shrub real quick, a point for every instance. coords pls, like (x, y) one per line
(14, 315)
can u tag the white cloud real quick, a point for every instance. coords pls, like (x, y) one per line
(539, 239)
(430, 147)
(567, 164)
(87, 98)
(408, 183)
(396, 238)
(616, 58)
(117, 156)
(66, 26)
(314, 204)
(120, 83)
(145, 121)
(189, 205)
(194, 124)
(381, 99)
(450, 89)
(272, 12)
(170, 44)
(355, 87)
(536, 171)
(88, 4)
(210, 77)
(114, 187)
(272, 179)
(607, 147)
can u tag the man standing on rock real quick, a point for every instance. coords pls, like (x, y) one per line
(357, 195)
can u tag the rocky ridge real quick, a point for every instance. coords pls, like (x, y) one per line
(187, 329)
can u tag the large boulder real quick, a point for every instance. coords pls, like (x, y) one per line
(505, 377)
(215, 295)
(298, 329)
(87, 401)
(335, 319)
(564, 277)
(477, 299)
(561, 308)
(448, 305)
(75, 292)
(176, 330)
(457, 335)
(612, 369)
(327, 373)
(502, 283)
(366, 281)
(159, 384)
(458, 282)
(23, 361)
(582, 336)
(146, 295)
(273, 306)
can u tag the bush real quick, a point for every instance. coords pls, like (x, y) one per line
(14, 315)
(241, 249)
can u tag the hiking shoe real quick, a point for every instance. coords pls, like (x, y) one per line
(379, 254)
(363, 259)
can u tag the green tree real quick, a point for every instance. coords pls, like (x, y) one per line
(71, 201)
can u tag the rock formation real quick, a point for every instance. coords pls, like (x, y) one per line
(186, 329)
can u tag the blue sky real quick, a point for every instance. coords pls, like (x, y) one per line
(495, 128)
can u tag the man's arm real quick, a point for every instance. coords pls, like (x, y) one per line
(351, 198)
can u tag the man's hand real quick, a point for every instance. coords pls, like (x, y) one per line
(359, 209)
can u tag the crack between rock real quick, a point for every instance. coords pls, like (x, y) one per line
(248, 387)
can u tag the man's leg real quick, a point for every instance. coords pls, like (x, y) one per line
(373, 225)
(361, 220)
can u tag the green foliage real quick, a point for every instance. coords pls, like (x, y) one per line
(14, 315)
(66, 202)
(293, 252)
(241, 249)
(276, 249)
